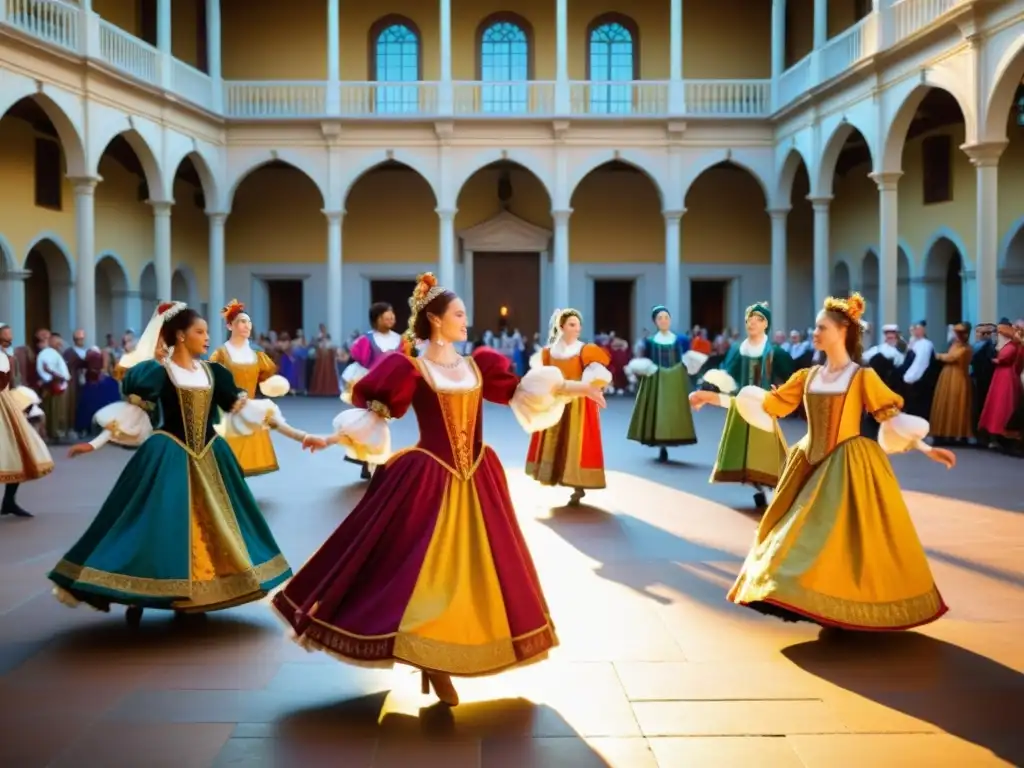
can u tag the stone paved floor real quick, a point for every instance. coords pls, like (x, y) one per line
(655, 668)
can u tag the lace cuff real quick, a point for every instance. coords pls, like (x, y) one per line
(364, 433)
(536, 403)
(641, 366)
(122, 423)
(902, 433)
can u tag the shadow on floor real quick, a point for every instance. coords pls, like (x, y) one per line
(966, 695)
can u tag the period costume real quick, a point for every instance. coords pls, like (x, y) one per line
(662, 416)
(747, 455)
(98, 390)
(982, 366)
(952, 410)
(323, 382)
(23, 454)
(430, 568)
(180, 530)
(620, 354)
(570, 453)
(54, 379)
(919, 373)
(1005, 391)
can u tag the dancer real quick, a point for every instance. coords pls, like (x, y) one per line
(249, 367)
(837, 546)
(952, 408)
(570, 453)
(366, 352)
(747, 455)
(661, 414)
(180, 530)
(430, 568)
(23, 453)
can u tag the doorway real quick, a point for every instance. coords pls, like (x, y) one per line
(708, 305)
(954, 290)
(285, 299)
(396, 293)
(613, 308)
(506, 293)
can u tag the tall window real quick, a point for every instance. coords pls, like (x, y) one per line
(611, 58)
(395, 43)
(505, 62)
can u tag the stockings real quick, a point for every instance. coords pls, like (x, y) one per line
(10, 491)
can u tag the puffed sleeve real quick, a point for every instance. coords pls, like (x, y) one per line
(384, 393)
(724, 377)
(271, 384)
(227, 395)
(595, 365)
(534, 398)
(898, 432)
(130, 421)
(220, 355)
(642, 365)
(759, 407)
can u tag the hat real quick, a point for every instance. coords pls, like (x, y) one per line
(922, 323)
(890, 328)
(760, 308)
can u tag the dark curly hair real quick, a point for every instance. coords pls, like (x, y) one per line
(420, 326)
(377, 309)
(180, 323)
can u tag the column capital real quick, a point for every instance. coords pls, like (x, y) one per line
(561, 216)
(84, 185)
(674, 214)
(446, 214)
(985, 155)
(217, 217)
(333, 216)
(886, 180)
(161, 208)
(820, 202)
(15, 275)
(780, 213)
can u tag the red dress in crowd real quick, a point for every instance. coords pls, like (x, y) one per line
(1004, 394)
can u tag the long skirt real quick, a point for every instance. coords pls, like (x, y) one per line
(569, 453)
(23, 454)
(662, 415)
(748, 455)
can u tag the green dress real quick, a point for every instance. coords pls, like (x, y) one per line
(181, 529)
(745, 454)
(662, 416)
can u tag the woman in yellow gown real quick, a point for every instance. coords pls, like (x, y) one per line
(250, 367)
(836, 546)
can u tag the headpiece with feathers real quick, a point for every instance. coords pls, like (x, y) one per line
(558, 318)
(426, 291)
(233, 309)
(852, 308)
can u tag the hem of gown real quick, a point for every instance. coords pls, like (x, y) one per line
(744, 476)
(25, 476)
(257, 472)
(320, 636)
(791, 613)
(664, 443)
(587, 478)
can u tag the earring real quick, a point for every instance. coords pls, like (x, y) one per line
(181, 338)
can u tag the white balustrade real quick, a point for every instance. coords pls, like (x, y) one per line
(50, 20)
(129, 54)
(394, 100)
(848, 47)
(910, 16)
(527, 98)
(795, 81)
(727, 98)
(640, 98)
(190, 84)
(275, 100)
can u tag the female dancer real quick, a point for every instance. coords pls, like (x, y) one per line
(837, 545)
(430, 568)
(255, 451)
(661, 415)
(180, 530)
(745, 455)
(570, 454)
(367, 351)
(23, 453)
(952, 406)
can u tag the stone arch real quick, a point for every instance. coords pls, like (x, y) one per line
(294, 160)
(207, 178)
(841, 278)
(833, 147)
(375, 160)
(1011, 249)
(894, 136)
(148, 291)
(787, 176)
(71, 137)
(111, 295)
(49, 289)
(146, 156)
(469, 167)
(580, 170)
(695, 171)
(1010, 299)
(8, 261)
(185, 286)
(943, 267)
(1006, 78)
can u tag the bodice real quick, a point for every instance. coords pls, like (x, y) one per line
(450, 418)
(665, 355)
(834, 411)
(188, 412)
(246, 372)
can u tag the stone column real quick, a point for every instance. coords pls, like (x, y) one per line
(468, 285)
(780, 256)
(821, 249)
(445, 97)
(85, 264)
(561, 259)
(213, 53)
(778, 53)
(334, 319)
(333, 102)
(673, 247)
(162, 250)
(820, 23)
(888, 246)
(163, 42)
(676, 86)
(13, 286)
(985, 158)
(446, 248)
(562, 96)
(217, 298)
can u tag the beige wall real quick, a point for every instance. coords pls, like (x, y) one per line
(725, 219)
(390, 217)
(616, 217)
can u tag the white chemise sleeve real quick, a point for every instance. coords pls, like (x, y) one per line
(641, 367)
(903, 433)
(750, 405)
(537, 404)
(124, 423)
(365, 435)
(595, 372)
(253, 416)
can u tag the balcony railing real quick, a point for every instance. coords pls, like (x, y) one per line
(70, 28)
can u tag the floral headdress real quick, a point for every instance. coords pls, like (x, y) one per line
(558, 318)
(852, 308)
(426, 291)
(233, 309)
(146, 348)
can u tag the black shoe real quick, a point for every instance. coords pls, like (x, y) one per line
(133, 616)
(15, 510)
(365, 474)
(760, 500)
(577, 497)
(663, 455)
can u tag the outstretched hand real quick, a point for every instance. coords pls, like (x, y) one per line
(944, 456)
(79, 448)
(595, 393)
(702, 397)
(314, 443)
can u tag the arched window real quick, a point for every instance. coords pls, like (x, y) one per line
(612, 63)
(395, 58)
(504, 60)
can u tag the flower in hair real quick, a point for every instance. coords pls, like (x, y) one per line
(233, 309)
(852, 307)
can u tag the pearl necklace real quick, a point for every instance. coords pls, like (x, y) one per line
(830, 377)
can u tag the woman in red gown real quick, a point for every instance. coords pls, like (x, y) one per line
(431, 568)
(1005, 391)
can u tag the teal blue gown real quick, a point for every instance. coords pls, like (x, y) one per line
(181, 529)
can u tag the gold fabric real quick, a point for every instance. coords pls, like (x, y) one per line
(255, 452)
(952, 412)
(561, 449)
(837, 543)
(23, 454)
(459, 409)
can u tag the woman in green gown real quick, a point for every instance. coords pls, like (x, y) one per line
(180, 530)
(662, 416)
(747, 455)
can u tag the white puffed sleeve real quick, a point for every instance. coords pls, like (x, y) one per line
(536, 404)
(694, 361)
(252, 417)
(537, 359)
(722, 380)
(125, 423)
(25, 399)
(275, 386)
(365, 435)
(902, 433)
(641, 366)
(353, 372)
(750, 405)
(595, 372)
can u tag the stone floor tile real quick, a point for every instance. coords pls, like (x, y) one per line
(898, 751)
(692, 680)
(735, 718)
(725, 752)
(161, 745)
(568, 752)
(223, 677)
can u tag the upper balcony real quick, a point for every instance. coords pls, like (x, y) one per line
(560, 61)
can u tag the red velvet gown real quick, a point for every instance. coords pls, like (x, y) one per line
(430, 568)
(1005, 391)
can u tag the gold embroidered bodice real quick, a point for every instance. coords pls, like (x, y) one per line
(459, 412)
(247, 375)
(195, 405)
(835, 417)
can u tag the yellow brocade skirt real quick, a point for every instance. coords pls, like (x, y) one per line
(255, 452)
(23, 454)
(837, 547)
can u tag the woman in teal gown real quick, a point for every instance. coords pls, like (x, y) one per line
(180, 530)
